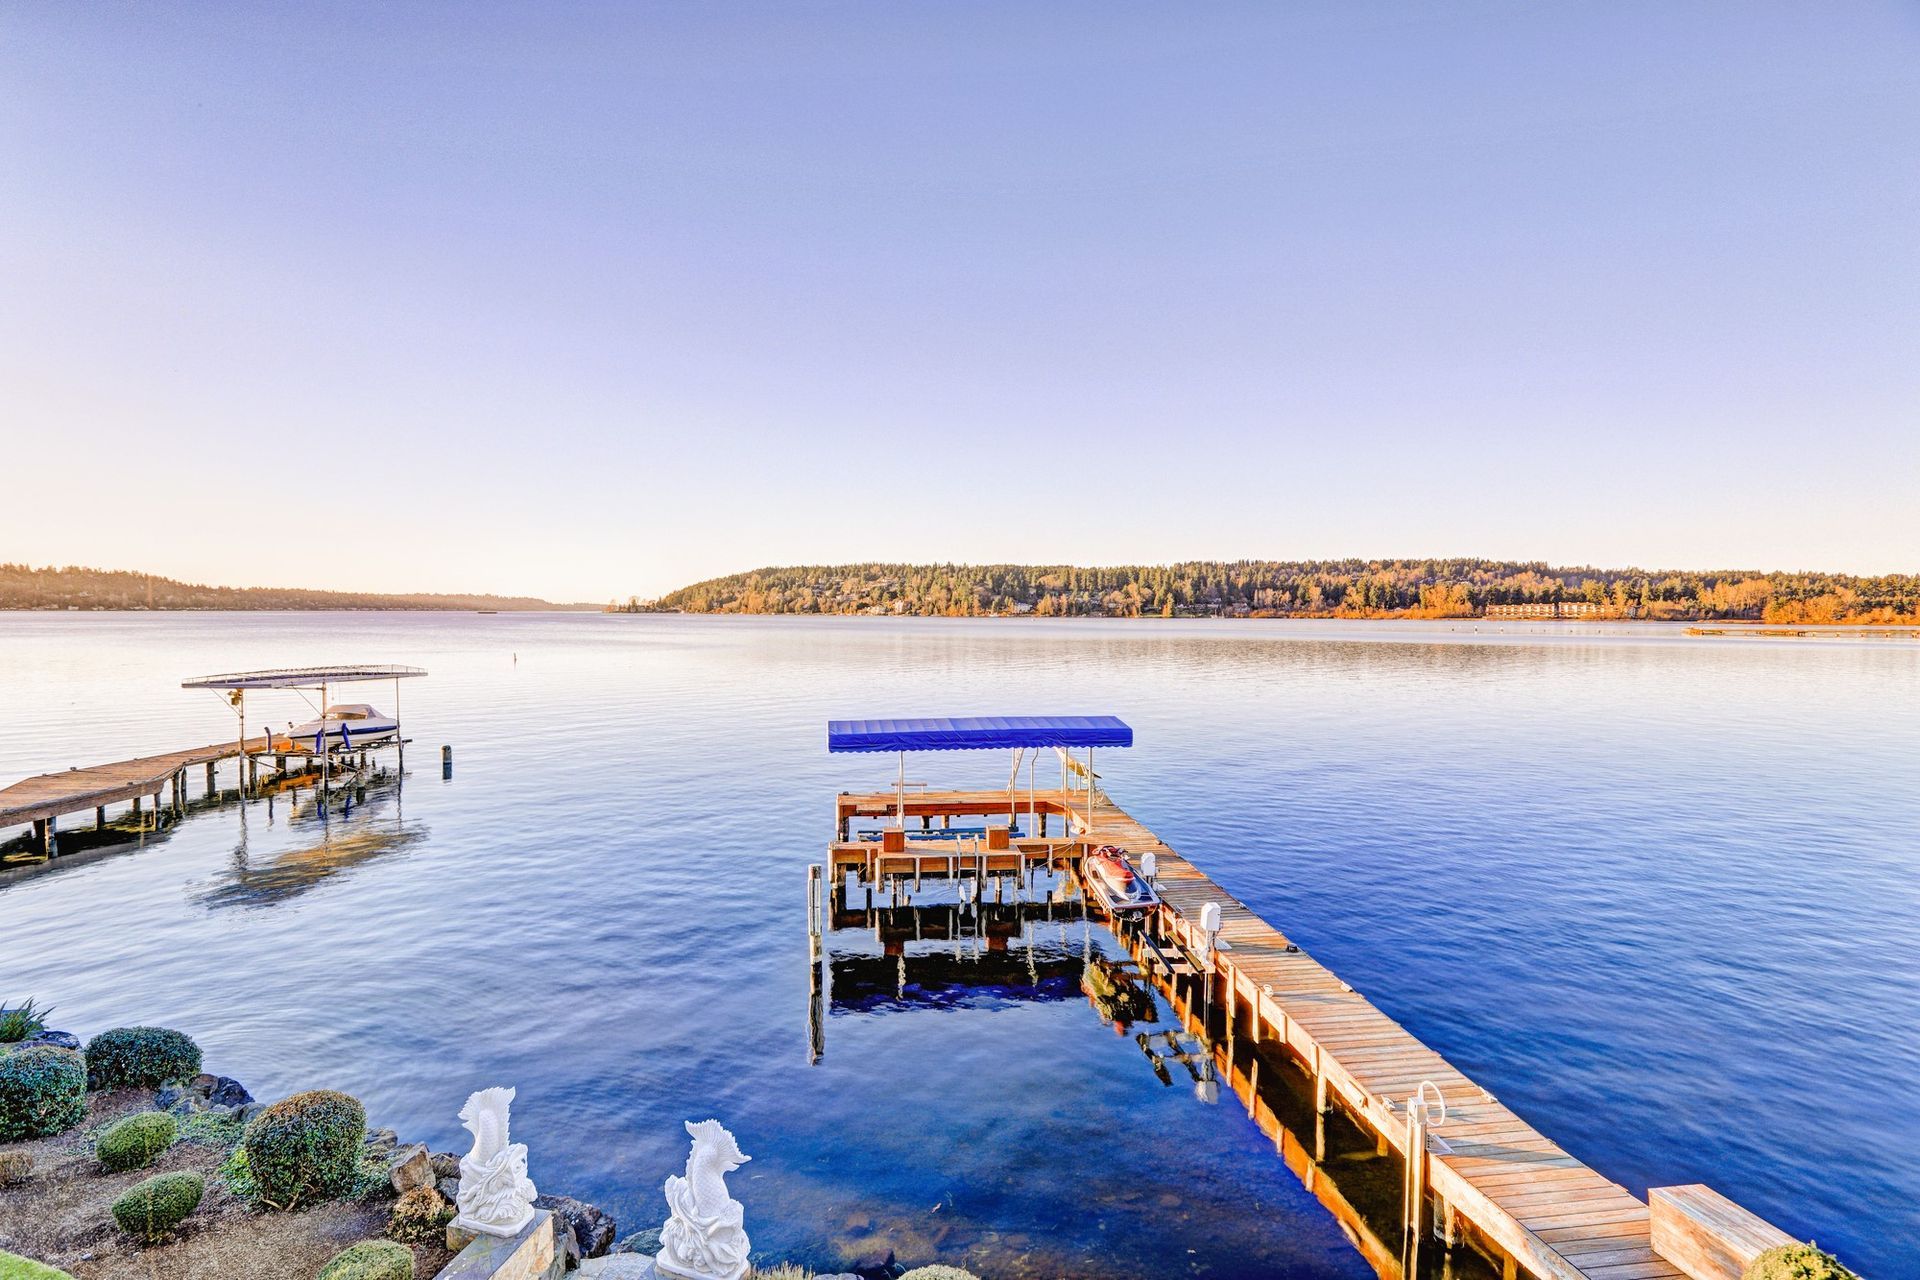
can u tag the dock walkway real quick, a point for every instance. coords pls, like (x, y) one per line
(54, 795)
(1544, 1208)
(1490, 1172)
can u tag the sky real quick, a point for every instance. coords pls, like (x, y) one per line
(586, 301)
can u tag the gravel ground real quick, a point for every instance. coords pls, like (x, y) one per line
(60, 1216)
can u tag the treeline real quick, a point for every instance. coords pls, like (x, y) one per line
(1304, 588)
(73, 587)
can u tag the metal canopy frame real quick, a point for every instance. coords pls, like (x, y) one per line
(235, 686)
(982, 733)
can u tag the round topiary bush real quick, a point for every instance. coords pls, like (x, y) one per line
(370, 1260)
(43, 1091)
(134, 1142)
(1797, 1262)
(15, 1267)
(140, 1057)
(151, 1209)
(420, 1216)
(305, 1148)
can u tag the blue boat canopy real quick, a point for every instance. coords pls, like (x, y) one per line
(977, 733)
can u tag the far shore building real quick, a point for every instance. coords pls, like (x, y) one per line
(1540, 610)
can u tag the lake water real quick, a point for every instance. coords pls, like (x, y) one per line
(1657, 892)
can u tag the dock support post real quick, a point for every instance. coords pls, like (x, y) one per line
(813, 910)
(100, 818)
(212, 781)
(253, 773)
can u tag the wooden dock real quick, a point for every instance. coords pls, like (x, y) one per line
(55, 795)
(1490, 1179)
(44, 799)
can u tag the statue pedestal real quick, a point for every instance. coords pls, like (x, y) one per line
(619, 1266)
(531, 1254)
(666, 1272)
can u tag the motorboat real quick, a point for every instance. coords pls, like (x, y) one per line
(346, 725)
(1112, 880)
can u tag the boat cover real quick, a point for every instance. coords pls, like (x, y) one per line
(977, 733)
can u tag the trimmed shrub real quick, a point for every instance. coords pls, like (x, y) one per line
(134, 1142)
(420, 1216)
(140, 1057)
(43, 1091)
(152, 1209)
(15, 1167)
(15, 1267)
(1797, 1262)
(370, 1260)
(305, 1148)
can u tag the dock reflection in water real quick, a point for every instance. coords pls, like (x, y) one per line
(365, 824)
(929, 957)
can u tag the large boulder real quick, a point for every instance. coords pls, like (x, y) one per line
(228, 1092)
(58, 1039)
(593, 1228)
(647, 1242)
(409, 1167)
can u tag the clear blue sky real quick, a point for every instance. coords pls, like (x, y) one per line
(583, 300)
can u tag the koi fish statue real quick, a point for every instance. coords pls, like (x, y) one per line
(705, 1238)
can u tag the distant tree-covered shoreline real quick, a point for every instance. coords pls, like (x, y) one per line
(1461, 588)
(74, 587)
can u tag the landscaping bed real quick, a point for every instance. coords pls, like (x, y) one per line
(62, 1214)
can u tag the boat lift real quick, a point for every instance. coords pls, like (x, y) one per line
(305, 680)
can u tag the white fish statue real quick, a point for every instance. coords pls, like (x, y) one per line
(705, 1239)
(496, 1196)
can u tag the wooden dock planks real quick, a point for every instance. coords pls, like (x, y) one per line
(54, 795)
(1552, 1214)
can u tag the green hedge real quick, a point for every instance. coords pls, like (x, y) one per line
(151, 1209)
(140, 1057)
(135, 1142)
(43, 1091)
(1797, 1262)
(15, 1267)
(370, 1260)
(305, 1148)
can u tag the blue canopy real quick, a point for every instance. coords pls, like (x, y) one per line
(973, 733)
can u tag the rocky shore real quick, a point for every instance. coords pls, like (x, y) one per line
(121, 1159)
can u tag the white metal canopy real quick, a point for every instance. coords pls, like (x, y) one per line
(302, 677)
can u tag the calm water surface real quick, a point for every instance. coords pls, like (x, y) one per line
(1656, 892)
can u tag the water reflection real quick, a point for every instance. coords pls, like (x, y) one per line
(362, 825)
(1049, 946)
(1350, 1172)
